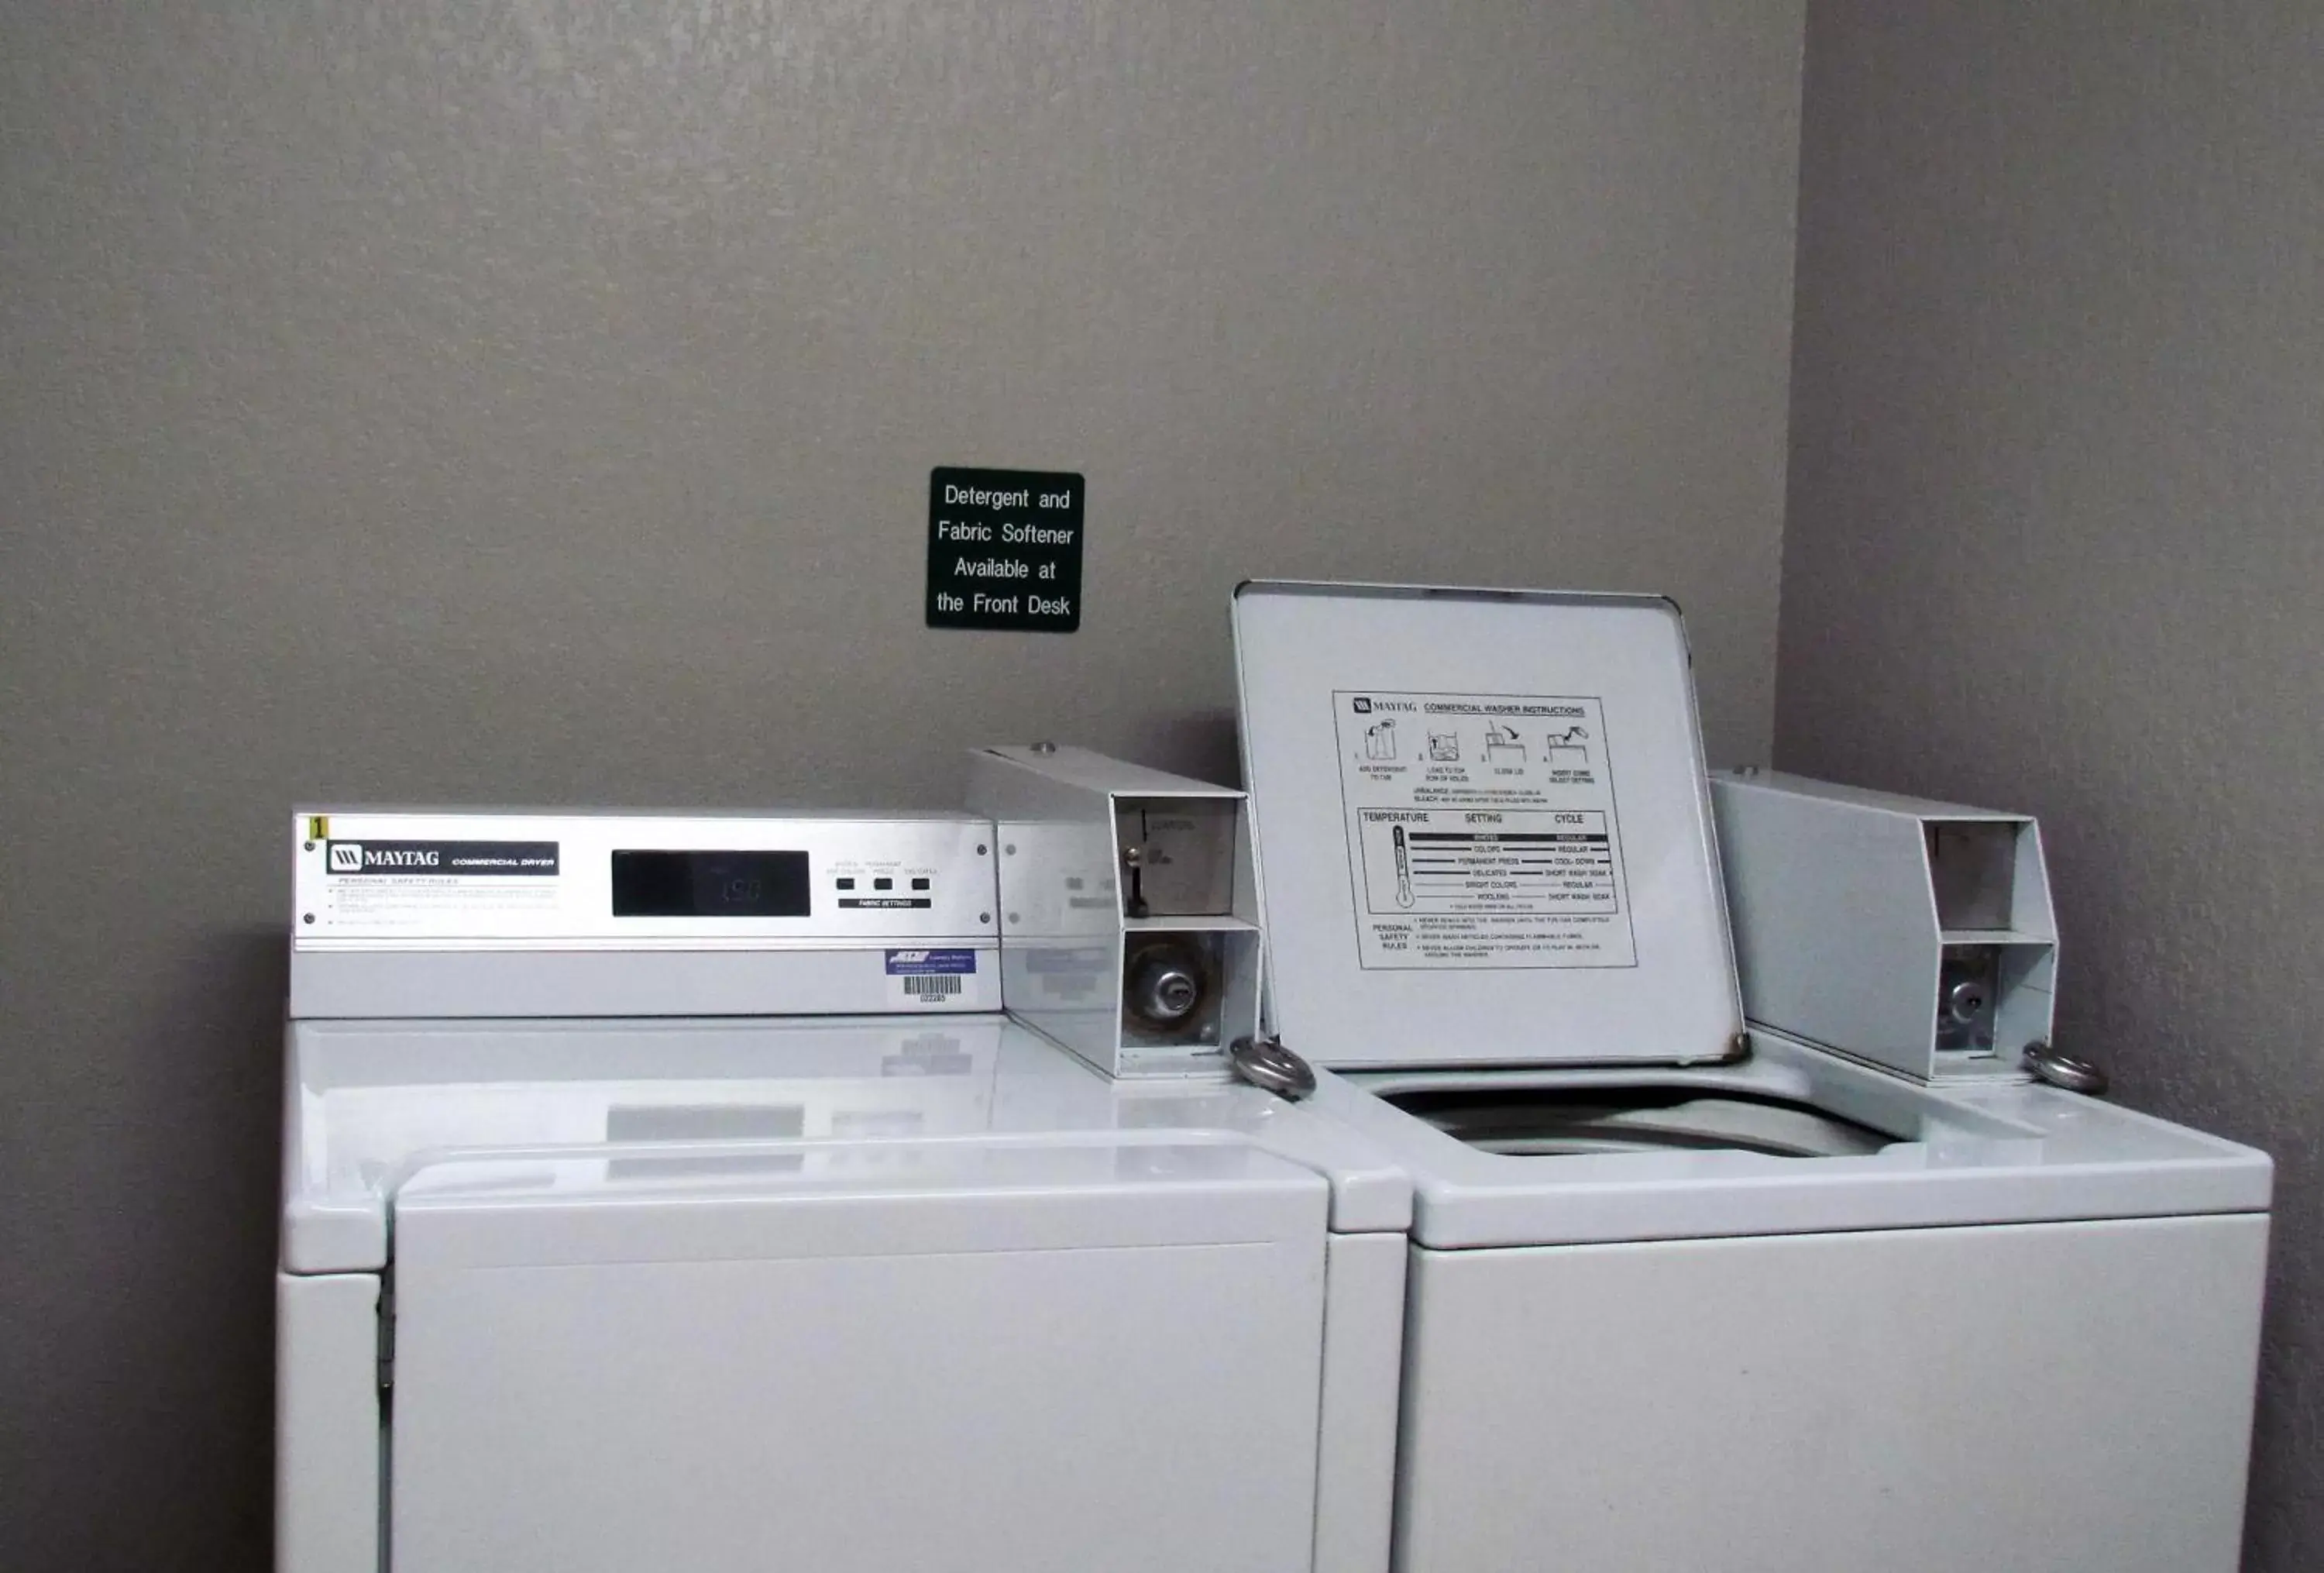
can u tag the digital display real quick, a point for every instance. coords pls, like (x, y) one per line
(710, 884)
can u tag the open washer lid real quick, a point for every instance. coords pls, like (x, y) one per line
(1484, 833)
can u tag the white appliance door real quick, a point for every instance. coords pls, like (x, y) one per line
(1061, 1356)
(1483, 831)
(2072, 1398)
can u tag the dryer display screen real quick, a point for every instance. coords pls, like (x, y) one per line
(710, 884)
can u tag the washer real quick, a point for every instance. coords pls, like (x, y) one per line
(763, 1252)
(1685, 1295)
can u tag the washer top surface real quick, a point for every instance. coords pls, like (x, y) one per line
(1790, 1140)
(374, 1110)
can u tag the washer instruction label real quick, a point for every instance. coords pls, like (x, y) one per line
(1482, 831)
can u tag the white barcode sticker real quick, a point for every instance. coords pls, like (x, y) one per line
(931, 986)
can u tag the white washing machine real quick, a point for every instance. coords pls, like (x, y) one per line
(667, 1191)
(1681, 1295)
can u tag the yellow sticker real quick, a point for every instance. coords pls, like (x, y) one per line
(318, 827)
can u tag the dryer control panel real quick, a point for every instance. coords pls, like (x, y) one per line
(502, 912)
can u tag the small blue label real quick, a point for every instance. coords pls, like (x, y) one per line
(928, 963)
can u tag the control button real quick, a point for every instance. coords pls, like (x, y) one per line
(919, 884)
(883, 884)
(846, 882)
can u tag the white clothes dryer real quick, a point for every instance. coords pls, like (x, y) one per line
(1684, 1295)
(650, 1284)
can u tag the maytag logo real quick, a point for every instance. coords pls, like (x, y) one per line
(450, 859)
(355, 857)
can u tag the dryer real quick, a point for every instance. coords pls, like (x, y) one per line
(1684, 1294)
(667, 1190)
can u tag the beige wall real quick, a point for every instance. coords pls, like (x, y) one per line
(523, 399)
(2056, 537)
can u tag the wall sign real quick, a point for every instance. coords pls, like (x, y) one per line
(1005, 549)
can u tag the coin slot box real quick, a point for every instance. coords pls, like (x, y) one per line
(1916, 935)
(1128, 921)
(1176, 856)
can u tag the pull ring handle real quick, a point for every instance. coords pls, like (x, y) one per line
(2057, 1069)
(1265, 1062)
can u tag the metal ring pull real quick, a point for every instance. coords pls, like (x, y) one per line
(2064, 1070)
(1265, 1062)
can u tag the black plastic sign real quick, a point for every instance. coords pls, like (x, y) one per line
(462, 858)
(1005, 549)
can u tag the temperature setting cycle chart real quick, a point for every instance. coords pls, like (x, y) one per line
(1483, 830)
(1494, 862)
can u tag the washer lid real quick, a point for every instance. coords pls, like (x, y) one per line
(1098, 1190)
(1483, 828)
(372, 1106)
